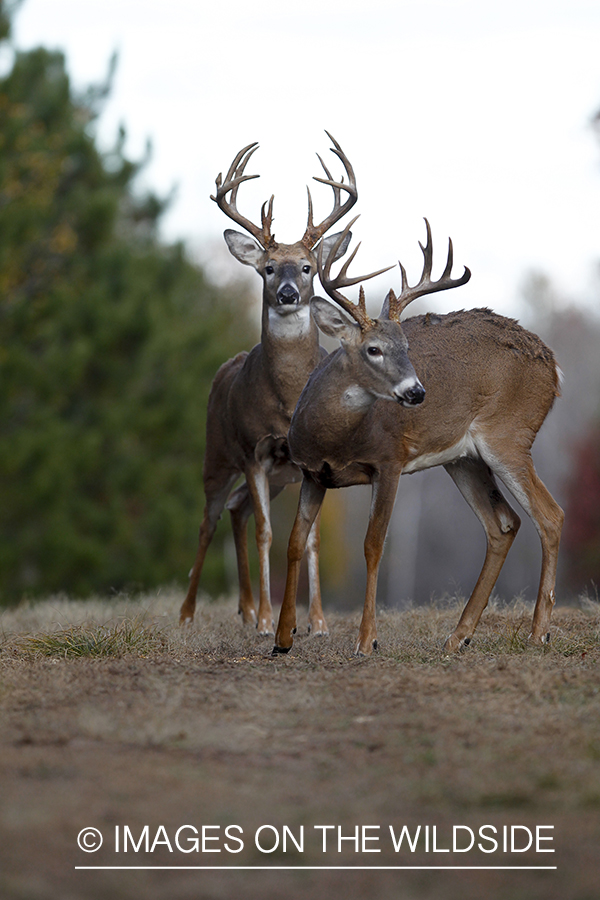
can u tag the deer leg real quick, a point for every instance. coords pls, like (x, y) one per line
(240, 507)
(382, 503)
(478, 486)
(215, 501)
(309, 505)
(547, 516)
(258, 485)
(316, 619)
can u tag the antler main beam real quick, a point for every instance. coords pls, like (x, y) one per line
(425, 284)
(235, 176)
(356, 310)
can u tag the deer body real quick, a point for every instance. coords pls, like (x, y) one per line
(253, 395)
(476, 368)
(487, 386)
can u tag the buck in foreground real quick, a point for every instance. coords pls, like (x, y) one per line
(253, 395)
(364, 417)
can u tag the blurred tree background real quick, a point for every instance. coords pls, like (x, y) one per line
(109, 341)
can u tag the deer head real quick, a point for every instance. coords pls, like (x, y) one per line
(377, 349)
(287, 270)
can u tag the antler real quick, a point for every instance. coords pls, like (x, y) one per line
(314, 232)
(356, 310)
(425, 285)
(235, 176)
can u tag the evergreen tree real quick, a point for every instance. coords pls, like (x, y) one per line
(109, 341)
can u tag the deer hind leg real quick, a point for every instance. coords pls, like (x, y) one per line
(547, 516)
(216, 495)
(316, 618)
(309, 505)
(240, 507)
(382, 504)
(478, 486)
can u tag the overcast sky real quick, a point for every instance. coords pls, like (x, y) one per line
(474, 113)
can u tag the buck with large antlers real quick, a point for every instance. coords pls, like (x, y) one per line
(253, 395)
(364, 417)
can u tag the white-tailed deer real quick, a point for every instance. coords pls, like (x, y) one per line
(365, 418)
(253, 395)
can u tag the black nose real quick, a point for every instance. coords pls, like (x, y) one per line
(415, 395)
(287, 293)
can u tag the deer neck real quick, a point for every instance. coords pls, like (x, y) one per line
(291, 350)
(331, 414)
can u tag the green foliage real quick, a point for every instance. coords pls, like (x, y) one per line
(109, 341)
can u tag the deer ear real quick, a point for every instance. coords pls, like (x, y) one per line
(385, 309)
(244, 248)
(328, 244)
(332, 321)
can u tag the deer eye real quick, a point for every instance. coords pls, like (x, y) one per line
(374, 351)
(269, 270)
(306, 269)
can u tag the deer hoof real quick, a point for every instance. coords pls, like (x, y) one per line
(366, 650)
(280, 651)
(264, 629)
(319, 628)
(454, 644)
(539, 639)
(248, 617)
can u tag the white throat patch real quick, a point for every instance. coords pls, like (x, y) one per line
(290, 324)
(356, 397)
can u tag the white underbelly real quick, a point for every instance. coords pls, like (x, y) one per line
(466, 446)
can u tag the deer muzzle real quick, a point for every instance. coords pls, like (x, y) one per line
(288, 294)
(410, 392)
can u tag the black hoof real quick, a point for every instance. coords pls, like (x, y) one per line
(280, 651)
(467, 641)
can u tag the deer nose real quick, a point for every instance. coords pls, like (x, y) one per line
(410, 392)
(415, 395)
(288, 293)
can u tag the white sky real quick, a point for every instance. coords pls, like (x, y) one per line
(474, 113)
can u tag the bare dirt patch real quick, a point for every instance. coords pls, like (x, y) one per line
(112, 716)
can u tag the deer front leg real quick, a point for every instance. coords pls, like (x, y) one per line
(309, 505)
(316, 619)
(258, 485)
(240, 508)
(382, 504)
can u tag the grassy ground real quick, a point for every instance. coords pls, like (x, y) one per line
(112, 716)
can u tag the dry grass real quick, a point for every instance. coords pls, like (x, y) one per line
(112, 714)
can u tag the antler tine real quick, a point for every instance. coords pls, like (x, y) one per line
(425, 284)
(235, 176)
(237, 166)
(331, 285)
(314, 232)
